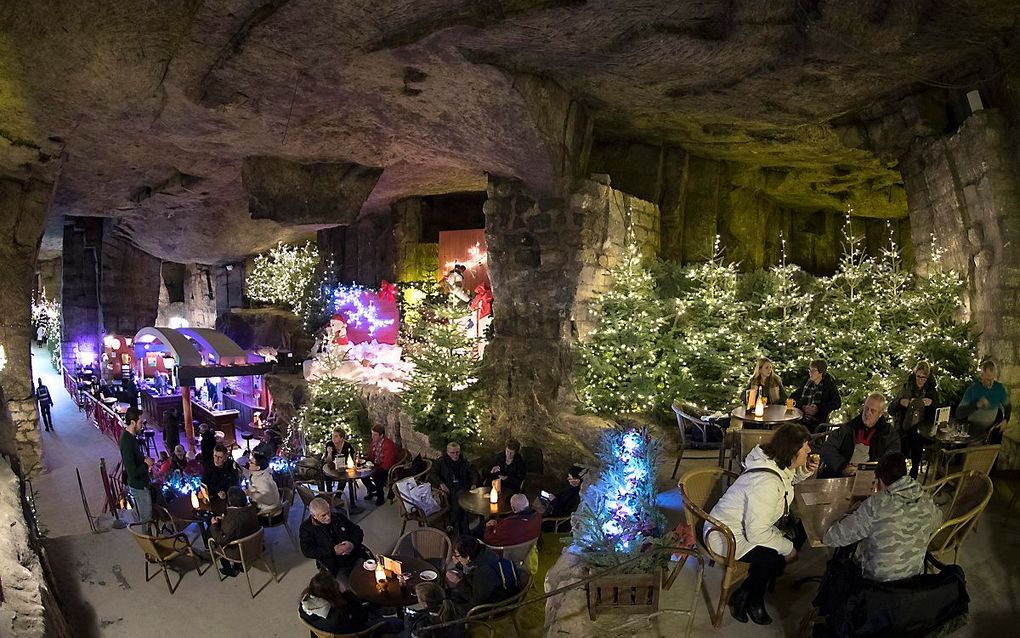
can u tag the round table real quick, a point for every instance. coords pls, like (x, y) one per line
(774, 415)
(393, 593)
(181, 511)
(476, 501)
(350, 477)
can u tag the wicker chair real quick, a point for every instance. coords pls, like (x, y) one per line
(160, 550)
(686, 422)
(697, 487)
(517, 554)
(972, 492)
(307, 492)
(409, 512)
(396, 473)
(250, 550)
(426, 543)
(283, 516)
(979, 458)
(364, 633)
(491, 612)
(748, 438)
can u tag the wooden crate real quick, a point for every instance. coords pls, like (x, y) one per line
(624, 593)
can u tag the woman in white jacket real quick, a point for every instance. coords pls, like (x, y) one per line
(752, 506)
(262, 489)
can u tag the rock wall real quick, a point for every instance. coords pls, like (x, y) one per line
(229, 287)
(964, 193)
(129, 286)
(197, 306)
(24, 203)
(361, 253)
(49, 281)
(81, 310)
(415, 260)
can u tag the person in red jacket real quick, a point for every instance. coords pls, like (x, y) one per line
(524, 525)
(382, 451)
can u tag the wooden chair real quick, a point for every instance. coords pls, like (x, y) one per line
(409, 512)
(396, 473)
(687, 422)
(697, 488)
(561, 524)
(517, 554)
(306, 492)
(364, 633)
(972, 492)
(160, 550)
(283, 516)
(491, 612)
(749, 438)
(426, 543)
(250, 550)
(978, 458)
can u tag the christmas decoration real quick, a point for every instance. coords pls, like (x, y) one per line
(284, 276)
(366, 313)
(618, 518)
(332, 403)
(46, 313)
(442, 395)
(181, 484)
(3, 358)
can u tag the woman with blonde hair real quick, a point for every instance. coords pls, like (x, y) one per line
(766, 382)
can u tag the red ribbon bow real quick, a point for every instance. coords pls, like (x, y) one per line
(387, 291)
(482, 301)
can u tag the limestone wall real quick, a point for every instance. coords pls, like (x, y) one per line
(198, 306)
(964, 191)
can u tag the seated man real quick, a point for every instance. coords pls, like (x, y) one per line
(893, 525)
(818, 397)
(382, 451)
(179, 459)
(868, 437)
(523, 525)
(452, 474)
(220, 475)
(985, 404)
(240, 520)
(509, 468)
(480, 576)
(565, 502)
(331, 539)
(269, 443)
(262, 489)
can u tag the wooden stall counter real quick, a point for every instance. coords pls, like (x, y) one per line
(223, 420)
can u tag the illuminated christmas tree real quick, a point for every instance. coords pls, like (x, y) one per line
(332, 403)
(284, 276)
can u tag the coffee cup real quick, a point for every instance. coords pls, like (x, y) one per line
(370, 565)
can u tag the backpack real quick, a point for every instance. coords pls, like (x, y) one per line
(508, 576)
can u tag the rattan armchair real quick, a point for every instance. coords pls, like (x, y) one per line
(517, 554)
(697, 487)
(978, 458)
(409, 511)
(971, 492)
(160, 550)
(427, 543)
(492, 612)
(250, 550)
(283, 516)
(747, 438)
(686, 422)
(396, 473)
(364, 633)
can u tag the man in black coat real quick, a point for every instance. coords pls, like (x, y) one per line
(509, 468)
(453, 474)
(240, 520)
(867, 437)
(818, 397)
(220, 475)
(332, 540)
(171, 428)
(480, 578)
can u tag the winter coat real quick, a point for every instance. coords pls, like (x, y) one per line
(829, 399)
(317, 541)
(455, 475)
(838, 448)
(482, 583)
(752, 506)
(893, 526)
(775, 393)
(387, 459)
(515, 529)
(237, 523)
(514, 471)
(264, 493)
(321, 614)
(221, 478)
(910, 391)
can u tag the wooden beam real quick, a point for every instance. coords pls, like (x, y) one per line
(189, 428)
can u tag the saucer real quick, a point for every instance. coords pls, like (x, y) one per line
(428, 575)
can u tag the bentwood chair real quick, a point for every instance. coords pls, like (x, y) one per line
(245, 552)
(691, 424)
(426, 543)
(409, 511)
(972, 492)
(400, 471)
(282, 517)
(487, 611)
(978, 458)
(699, 488)
(520, 554)
(161, 550)
(748, 439)
(364, 633)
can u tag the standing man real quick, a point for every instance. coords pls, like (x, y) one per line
(136, 466)
(42, 395)
(171, 428)
(818, 397)
(985, 404)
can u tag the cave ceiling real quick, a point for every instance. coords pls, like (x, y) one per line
(147, 109)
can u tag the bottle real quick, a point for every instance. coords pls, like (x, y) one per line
(752, 398)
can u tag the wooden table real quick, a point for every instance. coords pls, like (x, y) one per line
(946, 440)
(393, 593)
(476, 501)
(350, 477)
(774, 415)
(829, 501)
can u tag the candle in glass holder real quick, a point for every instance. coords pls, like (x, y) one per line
(494, 494)
(759, 408)
(380, 573)
(350, 462)
(194, 500)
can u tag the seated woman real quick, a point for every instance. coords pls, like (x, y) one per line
(433, 608)
(913, 407)
(753, 506)
(766, 382)
(328, 608)
(564, 502)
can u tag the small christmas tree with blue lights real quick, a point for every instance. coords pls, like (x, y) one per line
(618, 518)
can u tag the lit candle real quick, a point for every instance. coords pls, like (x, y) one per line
(380, 573)
(494, 494)
(759, 408)
(350, 462)
(194, 500)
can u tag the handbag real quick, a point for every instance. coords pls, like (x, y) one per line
(788, 524)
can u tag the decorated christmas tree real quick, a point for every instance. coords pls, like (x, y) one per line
(284, 276)
(618, 519)
(621, 365)
(332, 403)
(442, 396)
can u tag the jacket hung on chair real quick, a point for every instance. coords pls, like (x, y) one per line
(264, 493)
(893, 527)
(753, 504)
